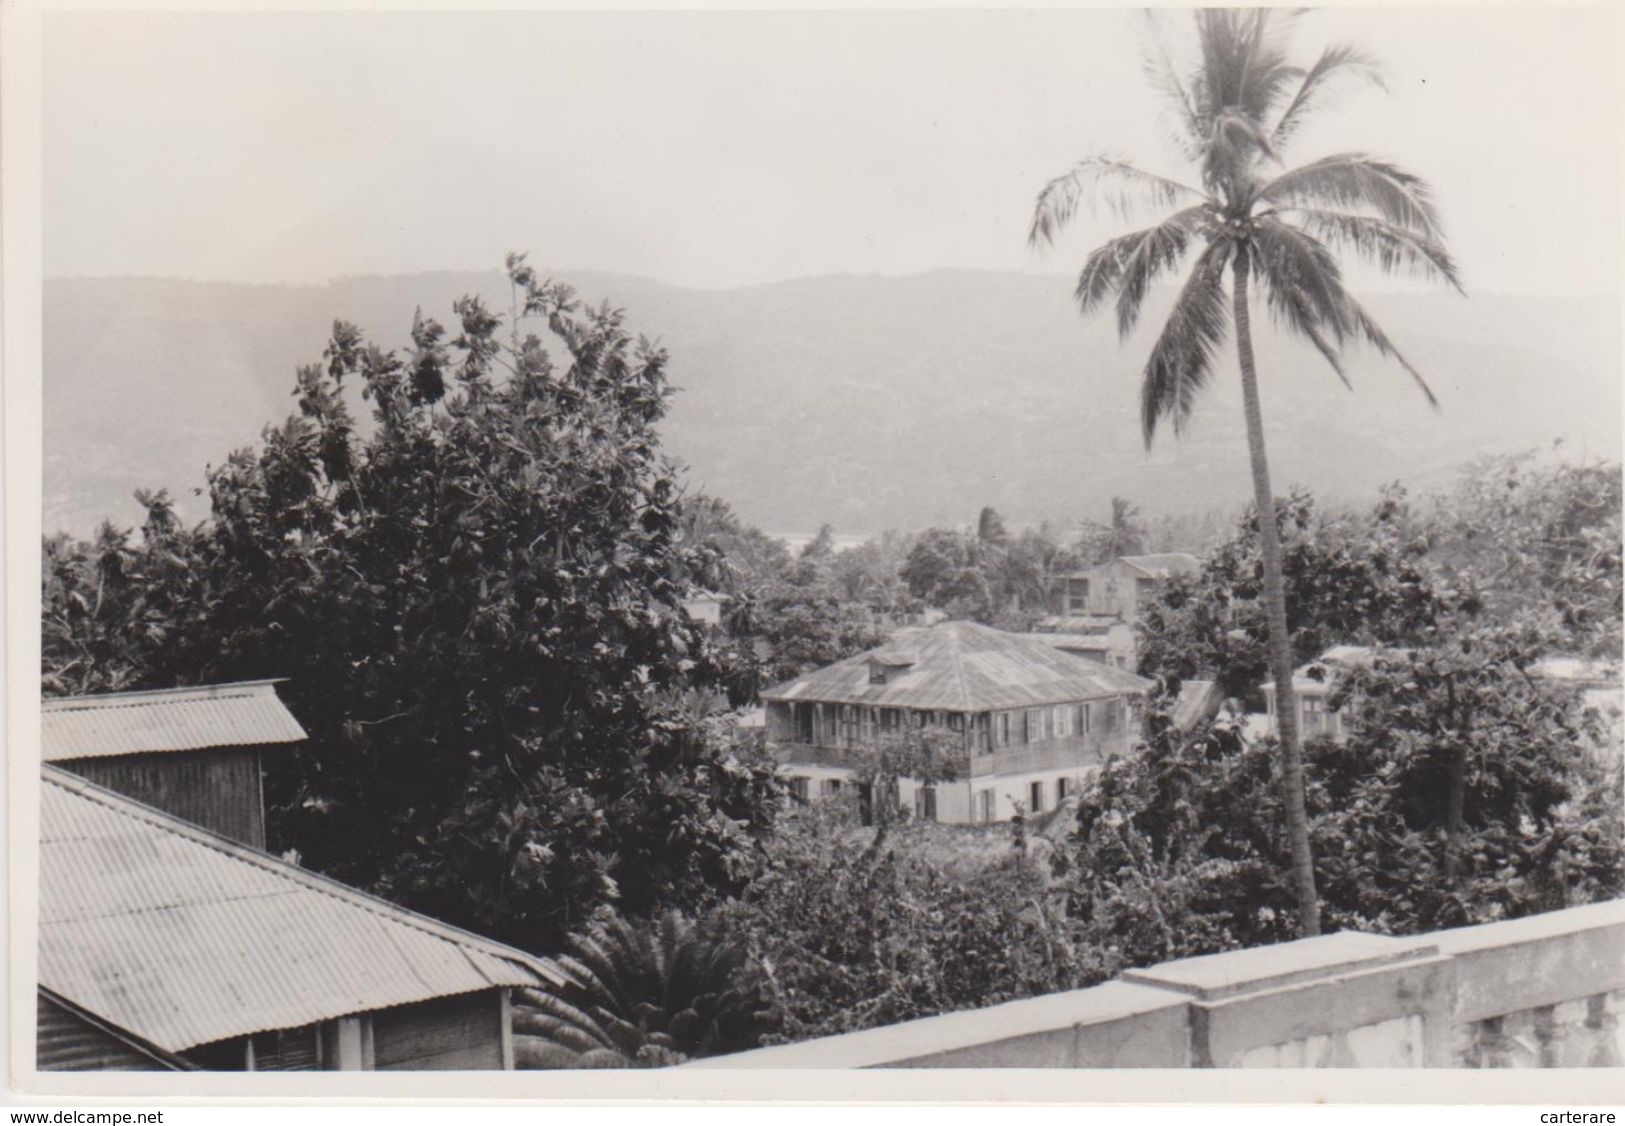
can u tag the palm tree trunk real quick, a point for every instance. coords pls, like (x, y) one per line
(1286, 703)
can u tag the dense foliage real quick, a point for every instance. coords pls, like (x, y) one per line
(477, 603)
(940, 919)
(645, 996)
(1180, 849)
(1350, 579)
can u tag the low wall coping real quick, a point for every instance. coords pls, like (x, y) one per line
(1532, 928)
(1210, 977)
(896, 1044)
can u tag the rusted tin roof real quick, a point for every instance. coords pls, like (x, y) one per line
(183, 937)
(172, 719)
(964, 666)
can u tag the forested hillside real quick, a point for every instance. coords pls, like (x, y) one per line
(862, 402)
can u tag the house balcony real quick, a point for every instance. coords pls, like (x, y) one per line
(1078, 753)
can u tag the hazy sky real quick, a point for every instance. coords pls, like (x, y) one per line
(724, 148)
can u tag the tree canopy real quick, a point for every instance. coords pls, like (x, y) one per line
(476, 600)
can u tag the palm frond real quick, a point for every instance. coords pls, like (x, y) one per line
(1102, 180)
(533, 1053)
(1373, 334)
(1164, 77)
(1181, 362)
(1244, 65)
(1311, 308)
(1130, 263)
(1333, 62)
(1301, 275)
(1160, 250)
(1352, 181)
(1390, 247)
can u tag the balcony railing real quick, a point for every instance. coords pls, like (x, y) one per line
(1545, 991)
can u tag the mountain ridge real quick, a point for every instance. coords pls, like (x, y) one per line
(864, 401)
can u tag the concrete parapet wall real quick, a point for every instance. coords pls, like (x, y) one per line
(1453, 998)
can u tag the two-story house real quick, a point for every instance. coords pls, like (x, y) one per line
(1118, 588)
(1031, 720)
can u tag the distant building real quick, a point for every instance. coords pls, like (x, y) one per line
(705, 607)
(163, 946)
(1600, 688)
(1198, 701)
(192, 752)
(1597, 682)
(1120, 587)
(1101, 638)
(1313, 684)
(1033, 720)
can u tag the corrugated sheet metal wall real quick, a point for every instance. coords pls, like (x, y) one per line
(218, 788)
(453, 1033)
(66, 1041)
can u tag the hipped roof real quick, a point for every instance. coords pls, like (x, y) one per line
(964, 667)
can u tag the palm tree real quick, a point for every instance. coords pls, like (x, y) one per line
(1235, 111)
(645, 995)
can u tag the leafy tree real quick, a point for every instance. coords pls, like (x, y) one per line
(943, 569)
(1539, 537)
(792, 631)
(929, 756)
(1180, 850)
(476, 602)
(645, 995)
(1363, 578)
(1237, 111)
(990, 528)
(852, 937)
(1123, 534)
(868, 574)
(749, 560)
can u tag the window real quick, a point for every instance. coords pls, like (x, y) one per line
(925, 803)
(1087, 717)
(1114, 715)
(1060, 789)
(877, 673)
(1001, 728)
(1077, 595)
(1036, 798)
(800, 789)
(803, 714)
(829, 787)
(1063, 721)
(849, 725)
(297, 1049)
(984, 806)
(1035, 725)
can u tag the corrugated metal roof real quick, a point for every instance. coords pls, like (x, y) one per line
(183, 937)
(172, 719)
(1080, 623)
(1197, 700)
(1164, 564)
(1091, 641)
(964, 666)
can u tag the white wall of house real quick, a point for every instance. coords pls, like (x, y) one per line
(1315, 716)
